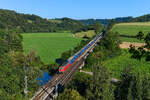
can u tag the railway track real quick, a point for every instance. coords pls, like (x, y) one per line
(61, 78)
(68, 76)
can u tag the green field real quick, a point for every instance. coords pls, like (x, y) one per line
(117, 64)
(49, 46)
(131, 29)
(125, 39)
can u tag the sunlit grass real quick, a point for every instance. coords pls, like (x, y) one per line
(89, 34)
(131, 28)
(49, 46)
(117, 64)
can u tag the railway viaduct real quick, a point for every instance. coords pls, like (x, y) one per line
(50, 90)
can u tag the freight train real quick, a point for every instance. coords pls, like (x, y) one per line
(77, 56)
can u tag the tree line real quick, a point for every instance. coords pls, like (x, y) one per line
(106, 22)
(10, 20)
(15, 65)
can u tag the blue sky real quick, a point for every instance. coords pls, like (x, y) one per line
(79, 9)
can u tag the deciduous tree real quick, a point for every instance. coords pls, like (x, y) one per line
(97, 27)
(100, 87)
(140, 35)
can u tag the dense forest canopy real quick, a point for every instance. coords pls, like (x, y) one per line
(12, 67)
(33, 23)
(92, 21)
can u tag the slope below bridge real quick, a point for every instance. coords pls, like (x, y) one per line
(50, 90)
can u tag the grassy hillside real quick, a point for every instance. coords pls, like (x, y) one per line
(49, 46)
(89, 34)
(131, 29)
(117, 64)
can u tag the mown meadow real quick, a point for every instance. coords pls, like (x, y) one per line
(49, 46)
(131, 29)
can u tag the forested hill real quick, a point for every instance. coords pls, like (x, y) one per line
(33, 23)
(105, 21)
(143, 18)
(92, 21)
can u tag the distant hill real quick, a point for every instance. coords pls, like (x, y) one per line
(33, 23)
(105, 21)
(92, 21)
(144, 18)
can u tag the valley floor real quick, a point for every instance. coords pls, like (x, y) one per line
(49, 46)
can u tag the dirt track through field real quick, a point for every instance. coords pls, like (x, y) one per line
(127, 44)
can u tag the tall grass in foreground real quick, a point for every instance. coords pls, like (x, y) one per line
(117, 64)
